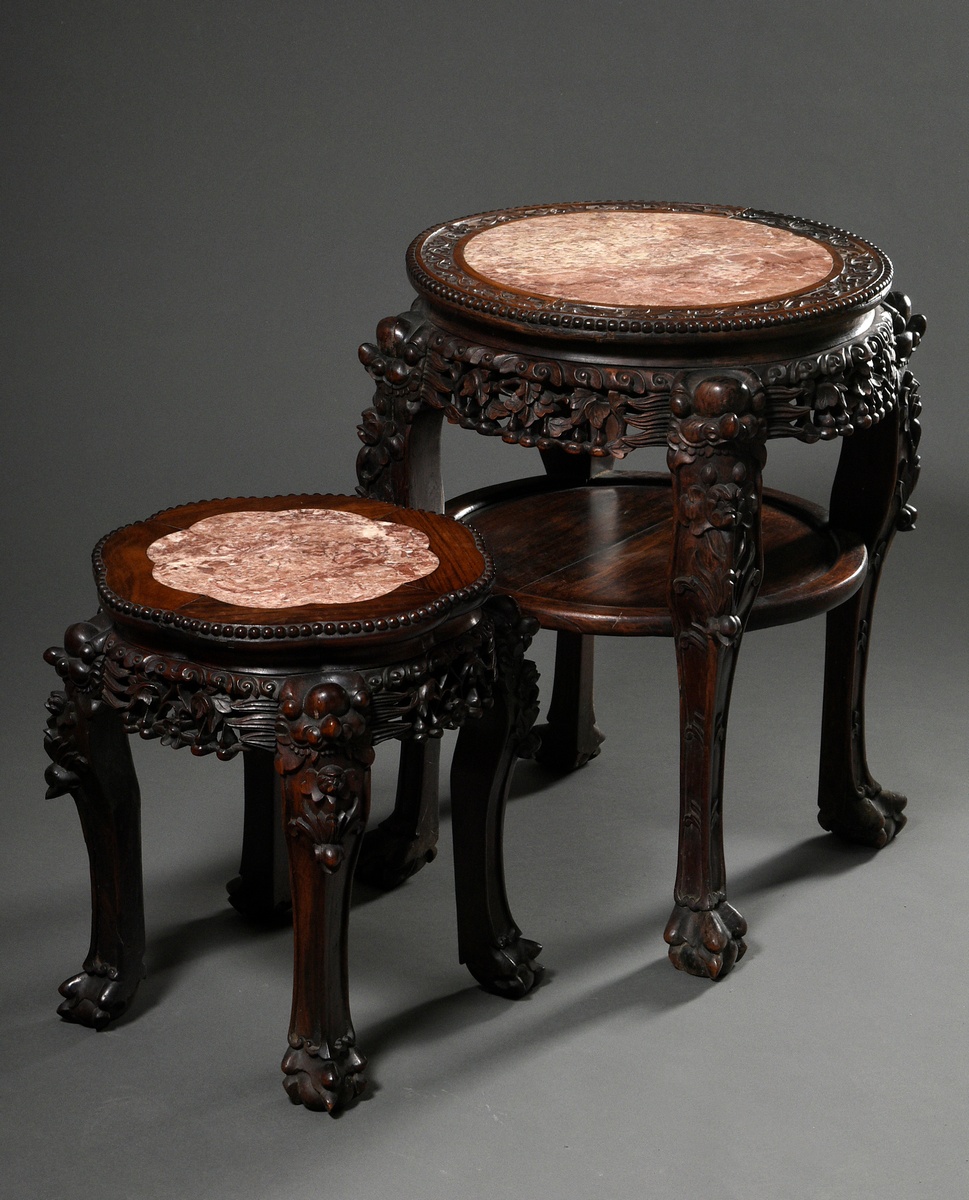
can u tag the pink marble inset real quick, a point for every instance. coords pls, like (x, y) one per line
(292, 557)
(648, 259)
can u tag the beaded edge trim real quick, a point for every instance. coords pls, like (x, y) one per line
(561, 315)
(434, 611)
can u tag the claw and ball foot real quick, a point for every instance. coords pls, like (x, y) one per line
(96, 996)
(321, 1080)
(706, 943)
(511, 970)
(868, 817)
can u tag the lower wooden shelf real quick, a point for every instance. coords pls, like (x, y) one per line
(595, 558)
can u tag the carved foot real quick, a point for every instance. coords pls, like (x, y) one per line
(95, 998)
(706, 943)
(565, 753)
(871, 818)
(323, 1084)
(390, 855)
(511, 970)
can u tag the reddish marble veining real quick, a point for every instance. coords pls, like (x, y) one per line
(648, 259)
(291, 557)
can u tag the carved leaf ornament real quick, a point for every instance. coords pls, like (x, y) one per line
(603, 410)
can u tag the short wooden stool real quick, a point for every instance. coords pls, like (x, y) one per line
(300, 630)
(587, 331)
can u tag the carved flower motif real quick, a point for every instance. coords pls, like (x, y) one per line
(209, 711)
(476, 386)
(829, 396)
(587, 408)
(543, 404)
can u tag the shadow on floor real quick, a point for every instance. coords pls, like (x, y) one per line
(813, 858)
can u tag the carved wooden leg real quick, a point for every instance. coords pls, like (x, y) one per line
(400, 462)
(323, 757)
(570, 736)
(407, 839)
(261, 889)
(91, 759)
(716, 454)
(489, 941)
(876, 474)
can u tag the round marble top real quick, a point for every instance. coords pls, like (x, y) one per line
(644, 259)
(647, 271)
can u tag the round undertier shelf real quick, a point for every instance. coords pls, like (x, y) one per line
(595, 558)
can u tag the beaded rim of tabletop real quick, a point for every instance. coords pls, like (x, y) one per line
(130, 592)
(828, 271)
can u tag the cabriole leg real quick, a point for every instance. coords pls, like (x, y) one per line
(876, 474)
(716, 455)
(490, 944)
(323, 757)
(91, 759)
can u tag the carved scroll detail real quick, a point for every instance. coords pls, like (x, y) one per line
(212, 710)
(598, 409)
(185, 704)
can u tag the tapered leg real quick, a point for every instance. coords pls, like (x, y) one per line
(261, 889)
(716, 454)
(876, 474)
(323, 758)
(407, 839)
(570, 736)
(91, 760)
(490, 944)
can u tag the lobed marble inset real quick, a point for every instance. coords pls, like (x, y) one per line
(291, 557)
(647, 259)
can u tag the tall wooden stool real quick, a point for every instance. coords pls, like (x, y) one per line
(300, 630)
(590, 330)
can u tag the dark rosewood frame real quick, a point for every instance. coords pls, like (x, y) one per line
(584, 384)
(306, 706)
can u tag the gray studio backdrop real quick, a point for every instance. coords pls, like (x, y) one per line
(206, 207)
